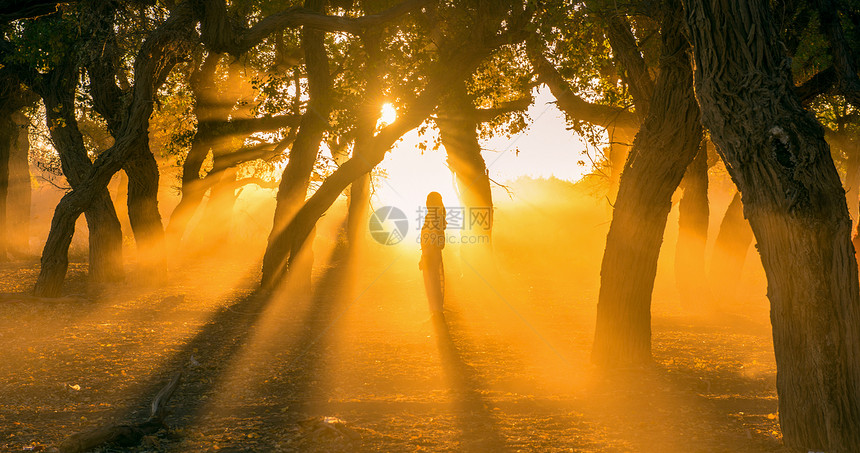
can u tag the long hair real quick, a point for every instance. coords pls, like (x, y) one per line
(436, 211)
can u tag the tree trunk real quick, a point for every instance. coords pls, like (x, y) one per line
(662, 151)
(19, 194)
(154, 60)
(210, 110)
(776, 153)
(296, 177)
(458, 131)
(730, 252)
(143, 214)
(105, 234)
(359, 202)
(619, 149)
(690, 277)
(105, 239)
(193, 188)
(359, 190)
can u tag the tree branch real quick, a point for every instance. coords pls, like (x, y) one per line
(484, 115)
(27, 9)
(627, 53)
(247, 126)
(222, 35)
(818, 84)
(574, 106)
(846, 74)
(254, 180)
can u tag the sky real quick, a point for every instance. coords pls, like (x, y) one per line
(544, 149)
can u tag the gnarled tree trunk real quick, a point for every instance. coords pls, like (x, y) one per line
(662, 151)
(296, 177)
(776, 154)
(155, 59)
(105, 234)
(140, 167)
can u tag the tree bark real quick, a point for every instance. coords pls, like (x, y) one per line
(140, 167)
(662, 151)
(143, 214)
(296, 176)
(359, 190)
(105, 234)
(619, 150)
(776, 153)
(458, 131)
(693, 213)
(730, 252)
(156, 58)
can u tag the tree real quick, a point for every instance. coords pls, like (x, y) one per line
(296, 177)
(452, 64)
(156, 57)
(223, 125)
(57, 88)
(776, 153)
(491, 102)
(663, 149)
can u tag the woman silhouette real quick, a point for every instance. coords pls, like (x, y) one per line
(432, 243)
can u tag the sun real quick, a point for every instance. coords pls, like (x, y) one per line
(387, 115)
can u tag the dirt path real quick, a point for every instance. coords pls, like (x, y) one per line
(506, 370)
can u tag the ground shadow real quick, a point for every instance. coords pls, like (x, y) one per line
(478, 426)
(657, 409)
(288, 394)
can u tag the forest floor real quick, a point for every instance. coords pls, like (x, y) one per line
(355, 363)
(358, 365)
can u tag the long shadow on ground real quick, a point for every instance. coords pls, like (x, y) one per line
(287, 396)
(478, 426)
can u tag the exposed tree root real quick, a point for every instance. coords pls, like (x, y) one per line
(123, 435)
